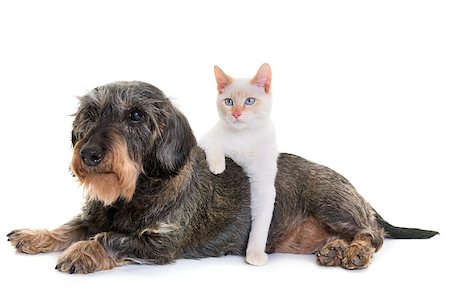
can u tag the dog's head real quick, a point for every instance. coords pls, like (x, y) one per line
(125, 129)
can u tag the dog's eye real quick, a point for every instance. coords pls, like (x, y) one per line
(135, 116)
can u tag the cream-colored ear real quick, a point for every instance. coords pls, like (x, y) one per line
(263, 77)
(222, 79)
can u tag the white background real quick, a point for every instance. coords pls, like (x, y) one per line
(362, 87)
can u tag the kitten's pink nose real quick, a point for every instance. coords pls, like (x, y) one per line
(237, 114)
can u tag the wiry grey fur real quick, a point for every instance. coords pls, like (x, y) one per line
(181, 210)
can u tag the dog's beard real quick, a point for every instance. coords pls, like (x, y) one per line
(114, 177)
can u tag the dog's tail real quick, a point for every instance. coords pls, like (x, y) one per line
(394, 232)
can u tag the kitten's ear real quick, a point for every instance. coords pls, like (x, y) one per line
(222, 79)
(263, 77)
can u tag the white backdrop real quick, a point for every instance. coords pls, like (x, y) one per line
(362, 87)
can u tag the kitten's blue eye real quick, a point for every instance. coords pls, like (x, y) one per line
(228, 101)
(249, 101)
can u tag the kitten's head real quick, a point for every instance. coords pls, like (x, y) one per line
(243, 103)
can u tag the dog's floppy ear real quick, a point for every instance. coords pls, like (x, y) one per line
(172, 148)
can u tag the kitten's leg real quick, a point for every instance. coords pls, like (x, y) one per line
(214, 154)
(263, 193)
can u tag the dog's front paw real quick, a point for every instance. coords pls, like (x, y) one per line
(85, 257)
(216, 165)
(257, 258)
(32, 241)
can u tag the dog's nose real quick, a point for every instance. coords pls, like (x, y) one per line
(91, 155)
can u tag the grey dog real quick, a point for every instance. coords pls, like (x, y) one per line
(151, 199)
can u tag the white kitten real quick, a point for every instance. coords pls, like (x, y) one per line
(246, 134)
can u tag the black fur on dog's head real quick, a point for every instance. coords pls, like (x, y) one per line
(125, 129)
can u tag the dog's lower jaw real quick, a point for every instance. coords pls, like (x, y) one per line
(110, 186)
(107, 188)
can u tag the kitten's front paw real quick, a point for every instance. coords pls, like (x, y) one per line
(257, 258)
(217, 166)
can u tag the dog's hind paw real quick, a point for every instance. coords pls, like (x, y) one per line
(332, 253)
(357, 256)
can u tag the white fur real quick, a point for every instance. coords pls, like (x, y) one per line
(251, 143)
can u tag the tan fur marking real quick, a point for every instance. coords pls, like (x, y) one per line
(356, 255)
(359, 253)
(304, 237)
(115, 176)
(42, 241)
(332, 253)
(85, 257)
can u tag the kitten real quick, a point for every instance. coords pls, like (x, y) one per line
(246, 134)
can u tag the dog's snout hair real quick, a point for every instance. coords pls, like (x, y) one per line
(123, 130)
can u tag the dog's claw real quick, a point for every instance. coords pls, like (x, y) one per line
(10, 233)
(72, 269)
